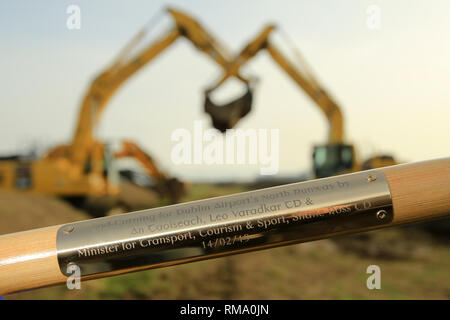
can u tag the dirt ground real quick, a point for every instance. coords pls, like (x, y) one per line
(20, 212)
(413, 264)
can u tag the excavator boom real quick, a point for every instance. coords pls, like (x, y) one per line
(166, 186)
(333, 157)
(85, 161)
(107, 83)
(306, 82)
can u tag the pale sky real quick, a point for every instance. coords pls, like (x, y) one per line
(392, 84)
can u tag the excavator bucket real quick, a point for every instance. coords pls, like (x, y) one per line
(226, 116)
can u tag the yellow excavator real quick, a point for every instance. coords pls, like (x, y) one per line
(334, 157)
(85, 167)
(166, 186)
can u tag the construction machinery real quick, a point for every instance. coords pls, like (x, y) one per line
(166, 186)
(85, 166)
(334, 157)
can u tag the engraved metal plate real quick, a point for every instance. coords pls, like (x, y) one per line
(219, 226)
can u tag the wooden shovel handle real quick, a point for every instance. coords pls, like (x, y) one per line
(420, 191)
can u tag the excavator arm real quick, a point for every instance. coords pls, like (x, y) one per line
(84, 165)
(171, 187)
(107, 83)
(333, 157)
(305, 81)
(101, 90)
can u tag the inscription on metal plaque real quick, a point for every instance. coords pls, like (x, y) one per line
(247, 221)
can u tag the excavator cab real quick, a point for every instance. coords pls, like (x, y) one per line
(226, 116)
(332, 159)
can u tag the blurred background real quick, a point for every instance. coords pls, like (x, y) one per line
(81, 77)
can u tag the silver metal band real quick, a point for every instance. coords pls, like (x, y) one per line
(219, 226)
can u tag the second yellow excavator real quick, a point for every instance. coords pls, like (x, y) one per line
(334, 157)
(166, 186)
